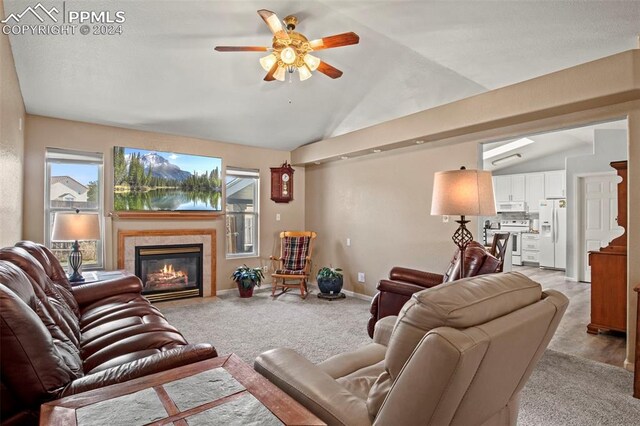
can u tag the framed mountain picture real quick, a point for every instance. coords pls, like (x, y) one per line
(152, 181)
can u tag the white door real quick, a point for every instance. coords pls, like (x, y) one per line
(598, 212)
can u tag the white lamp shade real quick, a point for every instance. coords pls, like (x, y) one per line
(76, 226)
(463, 193)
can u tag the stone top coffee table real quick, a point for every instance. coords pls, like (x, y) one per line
(221, 390)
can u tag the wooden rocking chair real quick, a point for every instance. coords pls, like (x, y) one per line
(294, 262)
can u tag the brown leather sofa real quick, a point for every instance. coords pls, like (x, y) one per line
(59, 340)
(458, 354)
(403, 282)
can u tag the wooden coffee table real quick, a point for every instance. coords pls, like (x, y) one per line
(224, 389)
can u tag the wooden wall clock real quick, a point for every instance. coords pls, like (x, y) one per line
(282, 183)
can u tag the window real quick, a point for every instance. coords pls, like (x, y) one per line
(74, 181)
(242, 201)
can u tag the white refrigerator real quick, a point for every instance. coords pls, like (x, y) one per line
(553, 234)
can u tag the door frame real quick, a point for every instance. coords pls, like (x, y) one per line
(579, 230)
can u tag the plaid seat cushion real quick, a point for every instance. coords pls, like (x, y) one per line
(295, 253)
(288, 272)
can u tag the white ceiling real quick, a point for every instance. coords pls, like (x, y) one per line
(546, 144)
(162, 74)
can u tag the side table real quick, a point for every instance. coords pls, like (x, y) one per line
(222, 390)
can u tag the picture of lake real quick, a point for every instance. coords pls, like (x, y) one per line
(167, 199)
(154, 180)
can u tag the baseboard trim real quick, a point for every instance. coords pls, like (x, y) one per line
(312, 286)
(347, 292)
(225, 291)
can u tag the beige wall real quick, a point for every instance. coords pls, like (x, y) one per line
(598, 91)
(382, 202)
(12, 117)
(45, 132)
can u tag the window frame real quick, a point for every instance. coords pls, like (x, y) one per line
(68, 156)
(244, 173)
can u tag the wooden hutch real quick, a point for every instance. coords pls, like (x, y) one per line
(609, 271)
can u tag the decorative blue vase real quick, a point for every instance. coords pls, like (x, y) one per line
(331, 285)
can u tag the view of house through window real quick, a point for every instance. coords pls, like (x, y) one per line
(242, 189)
(74, 181)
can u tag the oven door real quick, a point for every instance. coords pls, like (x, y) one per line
(516, 249)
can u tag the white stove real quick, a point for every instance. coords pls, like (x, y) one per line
(515, 227)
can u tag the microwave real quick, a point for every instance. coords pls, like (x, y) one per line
(511, 206)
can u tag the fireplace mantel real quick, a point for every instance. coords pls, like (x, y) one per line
(128, 239)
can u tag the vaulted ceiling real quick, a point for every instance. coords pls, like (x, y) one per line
(162, 74)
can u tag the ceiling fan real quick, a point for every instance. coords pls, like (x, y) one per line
(290, 50)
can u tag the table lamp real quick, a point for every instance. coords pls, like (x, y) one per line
(76, 227)
(463, 193)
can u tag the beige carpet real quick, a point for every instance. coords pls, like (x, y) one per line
(563, 390)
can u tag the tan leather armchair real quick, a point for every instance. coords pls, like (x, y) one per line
(457, 354)
(403, 282)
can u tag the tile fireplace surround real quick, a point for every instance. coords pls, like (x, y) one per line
(128, 240)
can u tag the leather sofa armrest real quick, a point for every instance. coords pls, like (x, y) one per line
(397, 287)
(92, 292)
(309, 385)
(162, 361)
(413, 276)
(383, 330)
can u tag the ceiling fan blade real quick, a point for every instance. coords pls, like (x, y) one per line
(242, 49)
(274, 23)
(328, 70)
(338, 40)
(269, 76)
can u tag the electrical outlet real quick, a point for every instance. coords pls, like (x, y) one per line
(360, 277)
(348, 242)
(277, 216)
(445, 219)
(265, 268)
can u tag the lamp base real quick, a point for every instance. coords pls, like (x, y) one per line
(75, 261)
(462, 237)
(76, 277)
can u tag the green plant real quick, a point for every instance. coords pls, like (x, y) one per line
(327, 272)
(247, 277)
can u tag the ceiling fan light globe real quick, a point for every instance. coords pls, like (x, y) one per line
(288, 55)
(311, 61)
(279, 74)
(267, 61)
(304, 73)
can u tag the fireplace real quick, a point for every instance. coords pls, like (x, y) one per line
(169, 271)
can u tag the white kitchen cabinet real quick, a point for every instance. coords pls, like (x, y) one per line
(509, 188)
(555, 184)
(517, 188)
(534, 190)
(502, 188)
(530, 244)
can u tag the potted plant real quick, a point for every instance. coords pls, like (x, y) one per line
(330, 283)
(247, 278)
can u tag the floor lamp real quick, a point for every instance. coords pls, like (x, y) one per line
(463, 193)
(76, 227)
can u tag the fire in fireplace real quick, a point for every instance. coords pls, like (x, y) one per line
(170, 271)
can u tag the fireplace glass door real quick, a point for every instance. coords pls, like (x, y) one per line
(169, 272)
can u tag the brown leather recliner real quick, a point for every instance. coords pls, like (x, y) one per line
(403, 282)
(59, 340)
